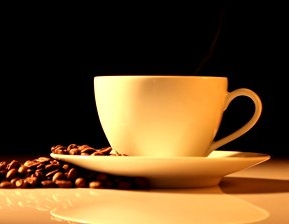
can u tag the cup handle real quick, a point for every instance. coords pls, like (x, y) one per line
(247, 126)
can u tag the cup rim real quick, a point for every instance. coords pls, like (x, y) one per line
(161, 76)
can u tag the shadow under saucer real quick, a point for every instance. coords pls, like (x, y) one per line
(245, 185)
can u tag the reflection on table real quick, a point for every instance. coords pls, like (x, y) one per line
(258, 194)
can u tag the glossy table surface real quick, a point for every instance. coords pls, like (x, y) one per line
(259, 194)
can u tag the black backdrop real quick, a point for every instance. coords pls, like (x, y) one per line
(51, 54)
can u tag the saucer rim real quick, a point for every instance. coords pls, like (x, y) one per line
(223, 154)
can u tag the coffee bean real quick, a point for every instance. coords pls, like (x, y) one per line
(84, 154)
(74, 151)
(14, 180)
(49, 174)
(11, 173)
(3, 165)
(95, 184)
(13, 164)
(43, 159)
(31, 163)
(32, 181)
(51, 166)
(22, 169)
(72, 146)
(21, 183)
(66, 167)
(80, 182)
(72, 174)
(63, 183)
(58, 176)
(6, 184)
(48, 184)
(38, 174)
(106, 150)
(87, 151)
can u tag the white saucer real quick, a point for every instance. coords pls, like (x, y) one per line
(177, 172)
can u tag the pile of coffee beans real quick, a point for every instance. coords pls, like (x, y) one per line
(46, 172)
(85, 150)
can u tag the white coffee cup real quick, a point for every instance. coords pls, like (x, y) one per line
(165, 115)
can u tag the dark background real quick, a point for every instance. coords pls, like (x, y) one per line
(50, 54)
